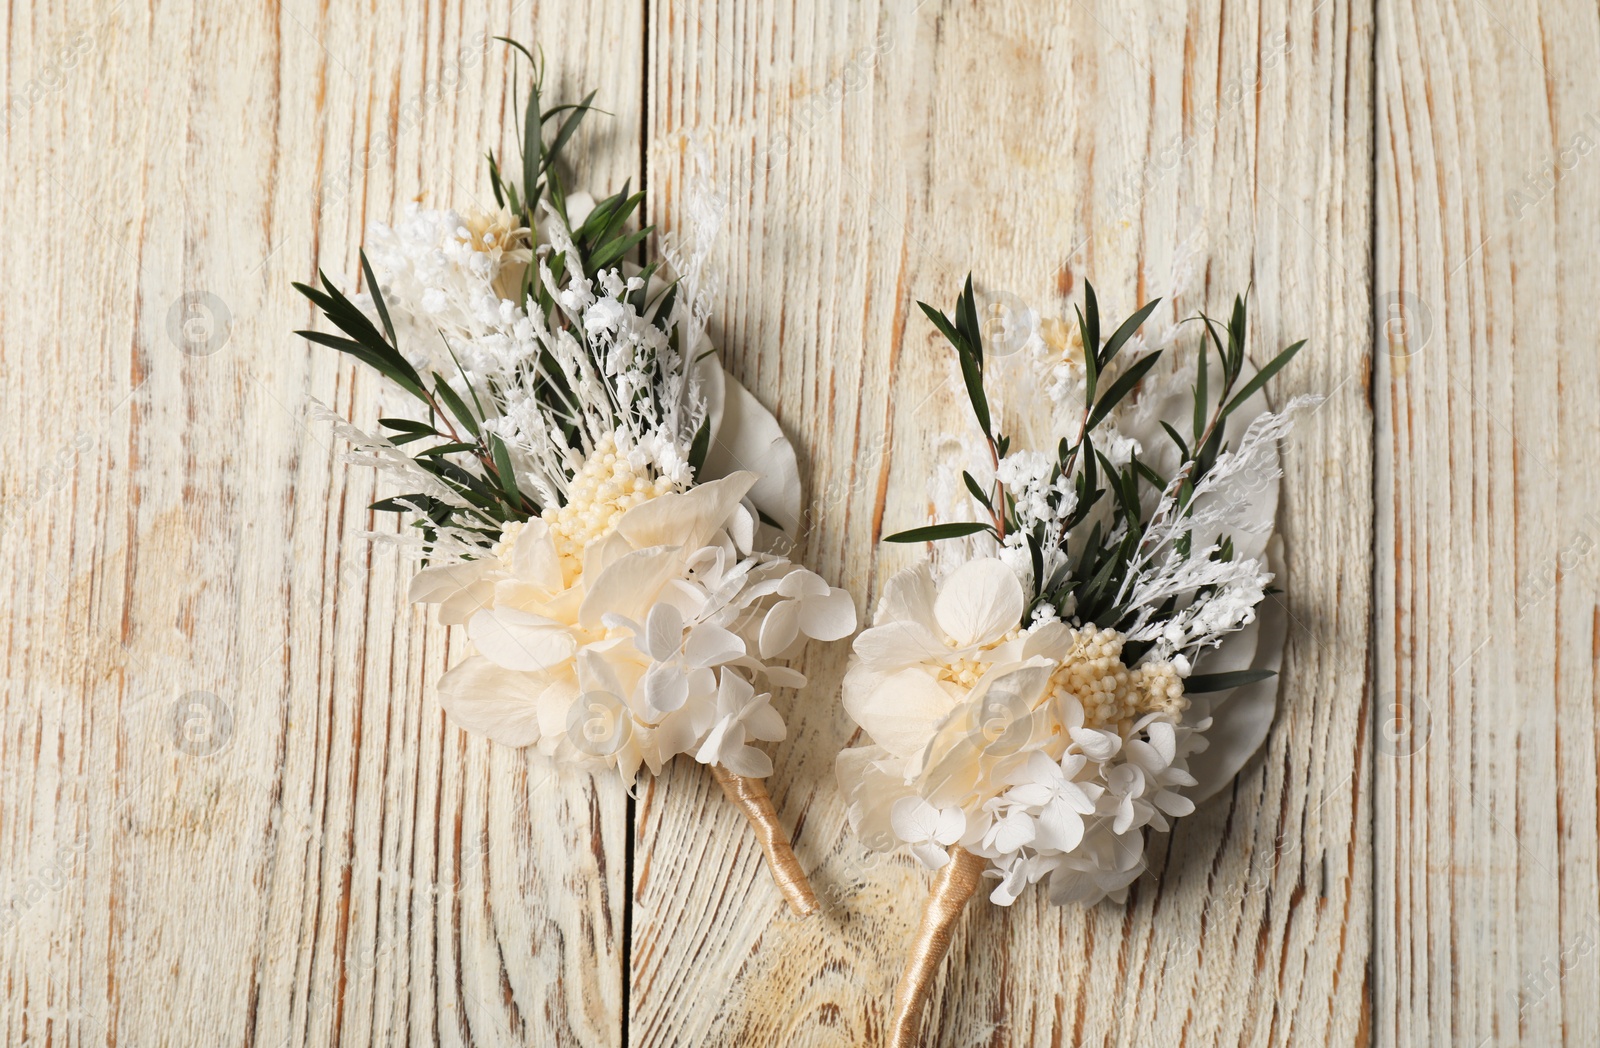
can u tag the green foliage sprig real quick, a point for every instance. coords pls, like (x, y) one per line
(452, 443)
(1089, 576)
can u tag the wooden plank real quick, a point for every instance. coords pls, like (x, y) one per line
(870, 154)
(232, 812)
(1487, 590)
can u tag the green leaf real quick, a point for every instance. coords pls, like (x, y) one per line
(1126, 331)
(967, 323)
(977, 492)
(1122, 387)
(568, 126)
(1201, 396)
(457, 406)
(612, 253)
(1183, 449)
(377, 300)
(1200, 683)
(532, 148)
(934, 532)
(502, 467)
(1260, 378)
(942, 322)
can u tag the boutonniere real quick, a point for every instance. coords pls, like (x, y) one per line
(596, 501)
(1084, 661)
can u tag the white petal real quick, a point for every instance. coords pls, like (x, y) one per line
(629, 586)
(900, 711)
(980, 602)
(688, 518)
(897, 644)
(908, 596)
(1060, 827)
(831, 616)
(534, 559)
(663, 632)
(711, 646)
(1165, 741)
(1096, 745)
(665, 689)
(952, 823)
(765, 723)
(490, 700)
(914, 819)
(1174, 804)
(437, 584)
(460, 606)
(930, 854)
(780, 628)
(519, 640)
(785, 677)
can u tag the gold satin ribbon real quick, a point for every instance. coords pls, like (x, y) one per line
(751, 797)
(953, 885)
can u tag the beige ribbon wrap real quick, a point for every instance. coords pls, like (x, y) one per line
(953, 885)
(752, 798)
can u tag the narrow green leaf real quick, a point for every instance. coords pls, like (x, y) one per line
(977, 492)
(1126, 331)
(1260, 378)
(377, 299)
(934, 532)
(1122, 387)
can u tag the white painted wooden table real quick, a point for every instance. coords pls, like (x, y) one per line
(230, 810)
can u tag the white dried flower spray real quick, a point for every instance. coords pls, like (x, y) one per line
(1036, 697)
(597, 502)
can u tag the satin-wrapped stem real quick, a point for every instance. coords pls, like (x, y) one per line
(953, 885)
(751, 797)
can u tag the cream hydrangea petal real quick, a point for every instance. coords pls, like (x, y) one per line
(554, 705)
(534, 559)
(685, 518)
(436, 584)
(711, 646)
(908, 596)
(629, 586)
(871, 781)
(456, 609)
(831, 616)
(780, 628)
(519, 640)
(898, 710)
(765, 723)
(980, 602)
(895, 645)
(493, 701)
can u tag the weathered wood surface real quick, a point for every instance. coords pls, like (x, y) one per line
(230, 810)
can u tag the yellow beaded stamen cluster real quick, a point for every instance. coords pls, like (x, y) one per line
(964, 671)
(603, 489)
(1111, 693)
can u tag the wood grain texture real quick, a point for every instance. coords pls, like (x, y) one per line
(230, 810)
(870, 155)
(233, 813)
(1487, 899)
